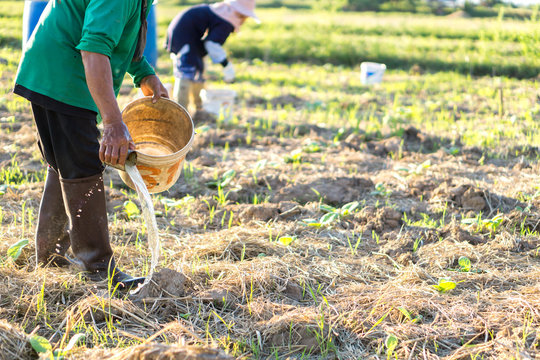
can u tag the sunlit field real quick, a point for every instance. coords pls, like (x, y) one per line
(326, 219)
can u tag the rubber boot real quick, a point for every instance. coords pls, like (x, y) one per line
(52, 238)
(196, 88)
(84, 200)
(181, 91)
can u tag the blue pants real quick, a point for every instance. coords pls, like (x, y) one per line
(189, 65)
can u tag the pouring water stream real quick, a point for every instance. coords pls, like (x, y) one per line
(149, 218)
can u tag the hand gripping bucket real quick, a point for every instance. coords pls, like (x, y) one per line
(163, 134)
(371, 73)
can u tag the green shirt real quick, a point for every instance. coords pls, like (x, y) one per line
(51, 64)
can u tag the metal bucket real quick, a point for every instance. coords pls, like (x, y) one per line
(163, 134)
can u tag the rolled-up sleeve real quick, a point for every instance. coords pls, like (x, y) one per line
(139, 70)
(104, 23)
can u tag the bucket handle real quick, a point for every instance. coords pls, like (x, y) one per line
(131, 159)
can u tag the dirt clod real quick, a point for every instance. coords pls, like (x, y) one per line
(164, 283)
(261, 212)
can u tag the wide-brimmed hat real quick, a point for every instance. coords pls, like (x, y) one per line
(244, 7)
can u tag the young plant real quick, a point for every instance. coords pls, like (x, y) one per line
(259, 165)
(287, 240)
(464, 264)
(415, 169)
(131, 210)
(295, 157)
(407, 314)
(380, 190)
(485, 224)
(390, 343)
(222, 181)
(445, 285)
(354, 248)
(332, 214)
(15, 250)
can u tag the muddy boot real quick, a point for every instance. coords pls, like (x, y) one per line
(181, 91)
(196, 88)
(52, 238)
(84, 200)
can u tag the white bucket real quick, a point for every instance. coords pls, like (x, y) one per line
(219, 102)
(371, 73)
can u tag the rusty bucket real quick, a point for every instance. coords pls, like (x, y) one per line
(163, 133)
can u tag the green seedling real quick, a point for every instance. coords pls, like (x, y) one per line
(339, 135)
(170, 203)
(354, 247)
(453, 150)
(445, 285)
(295, 157)
(259, 165)
(15, 250)
(222, 181)
(311, 147)
(287, 240)
(417, 243)
(329, 219)
(415, 169)
(221, 196)
(485, 224)
(131, 209)
(349, 208)
(391, 343)
(407, 314)
(380, 190)
(332, 214)
(464, 264)
(40, 344)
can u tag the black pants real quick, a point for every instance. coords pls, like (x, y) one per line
(68, 143)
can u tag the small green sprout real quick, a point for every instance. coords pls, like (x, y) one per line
(40, 344)
(287, 240)
(131, 209)
(380, 190)
(415, 169)
(295, 157)
(391, 343)
(409, 316)
(224, 180)
(311, 147)
(489, 224)
(445, 285)
(15, 250)
(453, 150)
(332, 214)
(464, 264)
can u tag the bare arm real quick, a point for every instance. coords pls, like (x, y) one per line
(116, 138)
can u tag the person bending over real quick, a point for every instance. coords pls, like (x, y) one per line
(199, 31)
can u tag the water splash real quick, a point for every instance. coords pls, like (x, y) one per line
(149, 217)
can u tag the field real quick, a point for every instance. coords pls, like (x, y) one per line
(326, 219)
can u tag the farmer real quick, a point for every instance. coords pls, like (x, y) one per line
(71, 70)
(199, 31)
